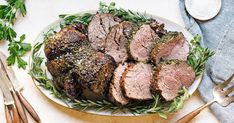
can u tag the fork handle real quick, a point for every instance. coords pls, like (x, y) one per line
(194, 113)
(8, 115)
(29, 108)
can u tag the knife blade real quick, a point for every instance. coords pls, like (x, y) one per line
(8, 99)
(10, 73)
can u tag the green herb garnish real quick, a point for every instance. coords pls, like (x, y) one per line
(16, 48)
(127, 15)
(37, 73)
(198, 55)
(71, 19)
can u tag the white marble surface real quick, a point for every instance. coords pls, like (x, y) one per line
(43, 12)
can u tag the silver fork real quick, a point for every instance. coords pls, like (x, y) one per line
(221, 96)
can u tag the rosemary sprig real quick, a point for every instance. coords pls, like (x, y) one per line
(71, 19)
(16, 48)
(198, 55)
(49, 33)
(121, 13)
(39, 74)
(102, 105)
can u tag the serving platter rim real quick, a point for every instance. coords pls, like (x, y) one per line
(48, 95)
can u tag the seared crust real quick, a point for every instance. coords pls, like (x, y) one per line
(66, 83)
(94, 73)
(64, 41)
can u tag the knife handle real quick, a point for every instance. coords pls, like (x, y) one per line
(8, 115)
(19, 108)
(29, 108)
(16, 118)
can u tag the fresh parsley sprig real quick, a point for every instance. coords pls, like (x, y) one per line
(198, 55)
(16, 48)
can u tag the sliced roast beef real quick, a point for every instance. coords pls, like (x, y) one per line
(135, 82)
(117, 41)
(66, 40)
(170, 77)
(173, 45)
(99, 27)
(142, 43)
(115, 92)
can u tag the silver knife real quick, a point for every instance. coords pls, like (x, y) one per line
(8, 101)
(17, 87)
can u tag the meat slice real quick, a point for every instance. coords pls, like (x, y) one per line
(98, 29)
(66, 40)
(117, 41)
(173, 45)
(170, 77)
(115, 92)
(136, 80)
(142, 43)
